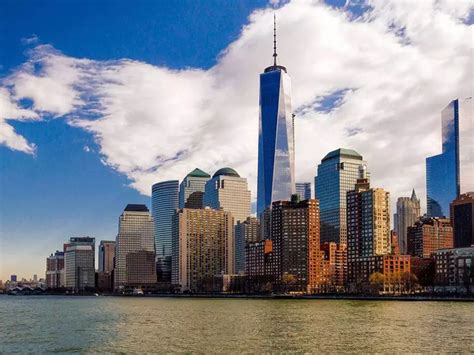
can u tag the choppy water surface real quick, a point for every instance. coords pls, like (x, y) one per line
(115, 324)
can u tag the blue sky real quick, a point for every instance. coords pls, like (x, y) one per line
(80, 177)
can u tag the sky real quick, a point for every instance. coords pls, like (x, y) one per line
(101, 99)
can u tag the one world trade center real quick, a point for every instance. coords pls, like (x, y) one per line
(276, 146)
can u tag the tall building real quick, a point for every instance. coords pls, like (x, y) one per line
(164, 203)
(55, 270)
(462, 220)
(451, 173)
(191, 189)
(203, 246)
(79, 264)
(428, 235)
(259, 265)
(336, 257)
(106, 255)
(227, 190)
(295, 238)
(408, 212)
(276, 141)
(368, 223)
(303, 189)
(135, 236)
(337, 174)
(246, 232)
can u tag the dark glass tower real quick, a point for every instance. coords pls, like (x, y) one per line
(276, 160)
(451, 173)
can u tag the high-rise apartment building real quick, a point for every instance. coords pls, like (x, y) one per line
(246, 232)
(203, 246)
(276, 141)
(296, 249)
(164, 203)
(55, 270)
(336, 257)
(229, 191)
(106, 255)
(451, 173)
(408, 212)
(337, 174)
(191, 189)
(462, 220)
(428, 235)
(134, 238)
(368, 223)
(303, 189)
(79, 264)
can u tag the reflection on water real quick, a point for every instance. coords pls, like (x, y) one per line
(115, 324)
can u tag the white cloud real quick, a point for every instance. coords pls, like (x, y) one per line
(397, 67)
(33, 39)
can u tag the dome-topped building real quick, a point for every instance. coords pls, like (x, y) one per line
(226, 172)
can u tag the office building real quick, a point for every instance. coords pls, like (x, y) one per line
(203, 246)
(408, 212)
(295, 239)
(246, 232)
(164, 203)
(79, 264)
(135, 235)
(13, 278)
(227, 190)
(191, 189)
(276, 141)
(55, 270)
(451, 173)
(428, 235)
(368, 220)
(303, 189)
(455, 269)
(337, 174)
(106, 255)
(462, 220)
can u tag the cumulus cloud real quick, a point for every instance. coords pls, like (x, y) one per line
(375, 83)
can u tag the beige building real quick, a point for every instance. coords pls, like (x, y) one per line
(229, 191)
(203, 246)
(136, 235)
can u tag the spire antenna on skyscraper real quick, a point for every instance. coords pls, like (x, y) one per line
(274, 41)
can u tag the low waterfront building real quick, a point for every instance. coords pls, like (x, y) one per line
(55, 270)
(428, 235)
(455, 269)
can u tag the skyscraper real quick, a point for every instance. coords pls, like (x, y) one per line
(106, 255)
(79, 264)
(55, 270)
(229, 191)
(276, 152)
(451, 173)
(191, 189)
(246, 232)
(203, 246)
(337, 174)
(135, 236)
(462, 220)
(164, 203)
(303, 189)
(408, 212)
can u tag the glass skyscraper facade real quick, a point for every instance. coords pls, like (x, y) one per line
(451, 173)
(276, 152)
(191, 189)
(164, 203)
(337, 174)
(303, 189)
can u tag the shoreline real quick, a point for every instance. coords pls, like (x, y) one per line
(279, 297)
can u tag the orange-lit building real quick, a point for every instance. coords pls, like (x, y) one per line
(428, 235)
(335, 258)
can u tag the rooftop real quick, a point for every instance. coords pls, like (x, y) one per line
(342, 152)
(198, 173)
(136, 208)
(226, 172)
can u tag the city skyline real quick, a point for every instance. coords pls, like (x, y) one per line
(83, 228)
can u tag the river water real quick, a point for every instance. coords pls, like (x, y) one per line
(40, 324)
